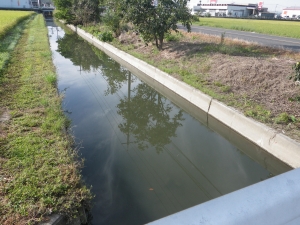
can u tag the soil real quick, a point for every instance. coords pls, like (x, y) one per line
(260, 75)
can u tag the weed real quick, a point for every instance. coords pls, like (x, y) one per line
(226, 89)
(106, 36)
(51, 78)
(173, 36)
(285, 118)
(259, 113)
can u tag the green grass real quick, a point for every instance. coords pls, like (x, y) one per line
(11, 37)
(9, 19)
(273, 27)
(39, 170)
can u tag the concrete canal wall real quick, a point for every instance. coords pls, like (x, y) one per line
(275, 151)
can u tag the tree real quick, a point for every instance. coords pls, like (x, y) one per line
(153, 22)
(77, 12)
(85, 11)
(63, 9)
(113, 15)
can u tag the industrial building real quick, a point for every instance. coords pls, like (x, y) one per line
(232, 10)
(291, 12)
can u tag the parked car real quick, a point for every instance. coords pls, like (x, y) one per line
(298, 17)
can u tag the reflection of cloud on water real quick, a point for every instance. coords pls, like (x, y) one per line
(105, 192)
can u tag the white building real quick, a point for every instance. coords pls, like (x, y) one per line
(15, 4)
(291, 12)
(233, 10)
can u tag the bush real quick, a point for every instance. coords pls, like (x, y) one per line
(106, 36)
(195, 18)
(113, 21)
(173, 37)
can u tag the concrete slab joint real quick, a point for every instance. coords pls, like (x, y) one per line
(278, 145)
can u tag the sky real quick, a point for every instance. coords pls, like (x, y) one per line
(272, 5)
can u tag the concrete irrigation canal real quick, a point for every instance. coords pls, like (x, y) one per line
(145, 156)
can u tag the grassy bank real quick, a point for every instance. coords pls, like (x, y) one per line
(39, 173)
(273, 27)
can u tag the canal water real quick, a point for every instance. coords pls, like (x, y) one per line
(145, 158)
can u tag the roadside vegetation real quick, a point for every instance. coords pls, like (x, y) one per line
(152, 21)
(39, 170)
(273, 27)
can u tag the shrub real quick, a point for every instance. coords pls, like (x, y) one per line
(195, 18)
(173, 36)
(106, 36)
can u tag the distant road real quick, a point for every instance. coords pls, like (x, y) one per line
(262, 39)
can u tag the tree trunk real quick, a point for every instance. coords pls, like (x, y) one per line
(156, 41)
(161, 41)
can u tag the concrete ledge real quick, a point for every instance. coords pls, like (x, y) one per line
(233, 125)
(55, 219)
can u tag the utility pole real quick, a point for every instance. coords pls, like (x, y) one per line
(200, 6)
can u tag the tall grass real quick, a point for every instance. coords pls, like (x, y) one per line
(272, 27)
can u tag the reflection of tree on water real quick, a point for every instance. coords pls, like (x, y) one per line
(115, 75)
(71, 46)
(89, 58)
(147, 118)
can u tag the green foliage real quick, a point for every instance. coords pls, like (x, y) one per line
(153, 22)
(296, 68)
(106, 36)
(51, 78)
(113, 21)
(195, 18)
(77, 12)
(259, 113)
(285, 118)
(173, 37)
